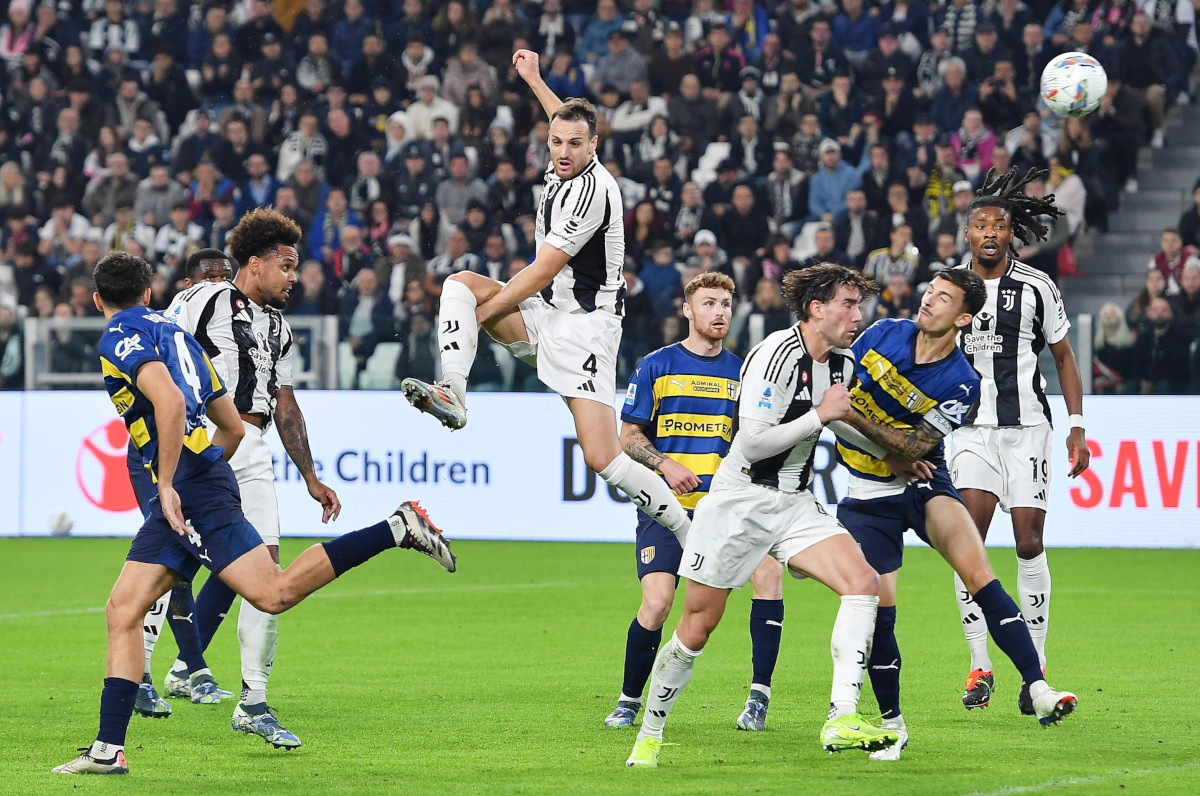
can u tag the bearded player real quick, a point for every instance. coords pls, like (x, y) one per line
(1002, 456)
(562, 313)
(678, 420)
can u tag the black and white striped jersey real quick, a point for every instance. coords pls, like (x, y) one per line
(250, 346)
(1024, 313)
(781, 382)
(583, 217)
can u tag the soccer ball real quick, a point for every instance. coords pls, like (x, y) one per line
(1073, 84)
(61, 523)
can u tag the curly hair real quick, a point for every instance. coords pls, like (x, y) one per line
(820, 283)
(259, 232)
(121, 279)
(713, 280)
(1007, 192)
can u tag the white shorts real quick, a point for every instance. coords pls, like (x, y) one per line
(1013, 463)
(575, 353)
(255, 475)
(737, 525)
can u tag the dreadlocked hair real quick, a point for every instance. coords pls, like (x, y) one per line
(1007, 192)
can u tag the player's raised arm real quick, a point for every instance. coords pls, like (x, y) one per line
(526, 63)
(170, 420)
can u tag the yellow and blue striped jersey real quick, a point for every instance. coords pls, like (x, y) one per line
(893, 389)
(686, 403)
(135, 337)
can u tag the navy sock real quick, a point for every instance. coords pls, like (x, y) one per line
(766, 627)
(358, 547)
(884, 665)
(641, 647)
(1008, 630)
(116, 708)
(181, 615)
(212, 604)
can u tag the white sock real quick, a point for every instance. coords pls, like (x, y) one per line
(850, 646)
(895, 722)
(458, 335)
(200, 673)
(626, 698)
(1033, 589)
(672, 671)
(765, 690)
(179, 666)
(974, 626)
(258, 633)
(153, 625)
(648, 492)
(104, 751)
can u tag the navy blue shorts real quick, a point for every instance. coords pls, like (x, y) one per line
(657, 549)
(212, 507)
(143, 482)
(878, 524)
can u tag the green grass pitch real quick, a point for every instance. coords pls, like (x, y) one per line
(400, 678)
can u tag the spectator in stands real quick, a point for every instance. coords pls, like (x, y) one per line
(884, 59)
(454, 194)
(899, 210)
(854, 227)
(365, 318)
(306, 143)
(1118, 123)
(899, 257)
(317, 70)
(719, 192)
(418, 61)
(1170, 258)
(1155, 287)
(594, 42)
(785, 191)
(784, 111)
(553, 33)
(274, 68)
(777, 258)
(643, 225)
(829, 186)
(494, 255)
(718, 63)
(350, 32)
(693, 116)
(999, 100)
(398, 267)
(622, 64)
(173, 238)
(664, 188)
(827, 250)
(61, 237)
(1030, 58)
(877, 174)
(431, 231)
(105, 191)
(955, 221)
(841, 110)
(428, 107)
(982, 55)
(855, 31)
(413, 300)
(769, 314)
(896, 300)
(1161, 353)
(468, 70)
(931, 65)
(216, 20)
(478, 227)
(1189, 221)
(660, 274)
(12, 370)
(1146, 65)
(457, 259)
(955, 96)
(639, 325)
(14, 190)
(156, 195)
(743, 228)
(325, 237)
(112, 31)
(1185, 305)
(31, 272)
(125, 228)
(231, 154)
(821, 59)
(973, 143)
(671, 63)
(352, 255)
(221, 70)
(419, 353)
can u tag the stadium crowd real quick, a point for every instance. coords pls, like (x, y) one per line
(747, 138)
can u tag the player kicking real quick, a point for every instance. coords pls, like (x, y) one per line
(678, 419)
(178, 608)
(250, 344)
(562, 313)
(759, 503)
(163, 385)
(1003, 455)
(913, 387)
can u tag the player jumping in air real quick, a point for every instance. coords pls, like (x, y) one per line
(562, 313)
(792, 384)
(678, 419)
(240, 327)
(1003, 453)
(163, 385)
(179, 607)
(913, 387)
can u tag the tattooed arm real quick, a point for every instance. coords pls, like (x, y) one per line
(289, 421)
(639, 448)
(908, 444)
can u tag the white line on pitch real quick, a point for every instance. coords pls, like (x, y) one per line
(329, 596)
(1062, 783)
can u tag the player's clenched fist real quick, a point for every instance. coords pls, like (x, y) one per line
(835, 405)
(526, 62)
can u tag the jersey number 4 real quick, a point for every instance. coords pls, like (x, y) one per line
(187, 365)
(589, 365)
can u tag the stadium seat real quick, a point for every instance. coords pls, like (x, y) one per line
(805, 244)
(347, 366)
(380, 370)
(706, 169)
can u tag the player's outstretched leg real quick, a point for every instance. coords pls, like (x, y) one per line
(766, 630)
(951, 533)
(981, 681)
(458, 339)
(148, 702)
(258, 636)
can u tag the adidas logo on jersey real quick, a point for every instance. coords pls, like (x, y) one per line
(587, 386)
(804, 395)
